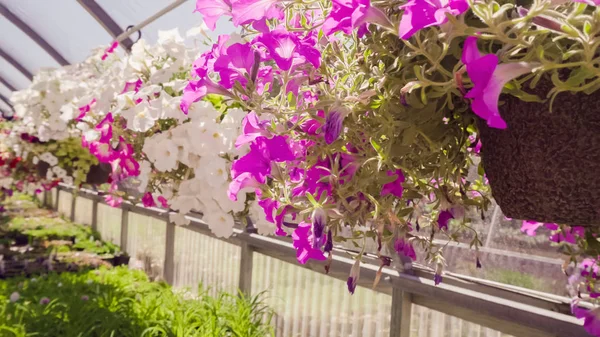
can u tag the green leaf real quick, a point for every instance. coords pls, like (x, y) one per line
(312, 199)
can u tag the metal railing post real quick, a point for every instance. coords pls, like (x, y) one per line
(73, 204)
(124, 227)
(94, 223)
(169, 263)
(401, 313)
(245, 281)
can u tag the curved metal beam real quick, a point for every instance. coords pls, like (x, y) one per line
(7, 84)
(92, 7)
(6, 100)
(16, 64)
(33, 35)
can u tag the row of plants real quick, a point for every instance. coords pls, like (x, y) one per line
(123, 302)
(97, 299)
(342, 120)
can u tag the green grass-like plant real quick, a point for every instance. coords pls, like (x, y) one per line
(121, 302)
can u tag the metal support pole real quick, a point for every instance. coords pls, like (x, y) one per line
(94, 215)
(401, 313)
(488, 239)
(73, 206)
(124, 228)
(169, 264)
(245, 281)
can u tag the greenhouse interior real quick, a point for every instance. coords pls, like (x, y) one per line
(299, 168)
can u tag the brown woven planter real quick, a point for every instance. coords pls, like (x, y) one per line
(546, 165)
(98, 174)
(42, 168)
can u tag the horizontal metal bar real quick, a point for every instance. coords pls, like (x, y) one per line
(106, 21)
(16, 64)
(508, 315)
(149, 20)
(33, 35)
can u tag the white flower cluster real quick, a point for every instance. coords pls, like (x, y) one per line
(144, 88)
(203, 144)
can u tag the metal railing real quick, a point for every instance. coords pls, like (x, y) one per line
(506, 309)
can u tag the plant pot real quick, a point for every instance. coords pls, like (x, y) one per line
(120, 260)
(42, 169)
(545, 165)
(98, 174)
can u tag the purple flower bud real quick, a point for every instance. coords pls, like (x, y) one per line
(437, 279)
(319, 222)
(44, 300)
(85, 298)
(353, 278)
(333, 126)
(478, 263)
(329, 244)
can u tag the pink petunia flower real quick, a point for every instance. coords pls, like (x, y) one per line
(419, 14)
(394, 187)
(303, 238)
(212, 10)
(488, 79)
(347, 15)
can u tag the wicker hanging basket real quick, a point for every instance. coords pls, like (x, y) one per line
(546, 165)
(98, 174)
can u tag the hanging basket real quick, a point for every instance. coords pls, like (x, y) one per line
(98, 174)
(546, 165)
(42, 169)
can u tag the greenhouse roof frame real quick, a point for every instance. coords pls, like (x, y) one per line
(17, 12)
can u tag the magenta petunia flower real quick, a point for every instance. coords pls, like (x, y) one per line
(103, 151)
(253, 168)
(347, 15)
(569, 235)
(419, 14)
(196, 90)
(319, 223)
(443, 219)
(112, 200)
(302, 237)
(252, 128)
(284, 47)
(148, 200)
(395, 187)
(405, 247)
(248, 11)
(353, 277)
(163, 201)
(488, 79)
(132, 86)
(105, 128)
(334, 123)
(591, 318)
(212, 10)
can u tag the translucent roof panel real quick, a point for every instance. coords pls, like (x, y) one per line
(65, 25)
(12, 75)
(23, 49)
(132, 12)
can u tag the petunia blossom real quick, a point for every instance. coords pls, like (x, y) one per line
(404, 247)
(303, 244)
(148, 200)
(591, 318)
(443, 219)
(252, 128)
(248, 11)
(419, 14)
(196, 90)
(394, 187)
(347, 15)
(334, 123)
(488, 79)
(212, 10)
(284, 46)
